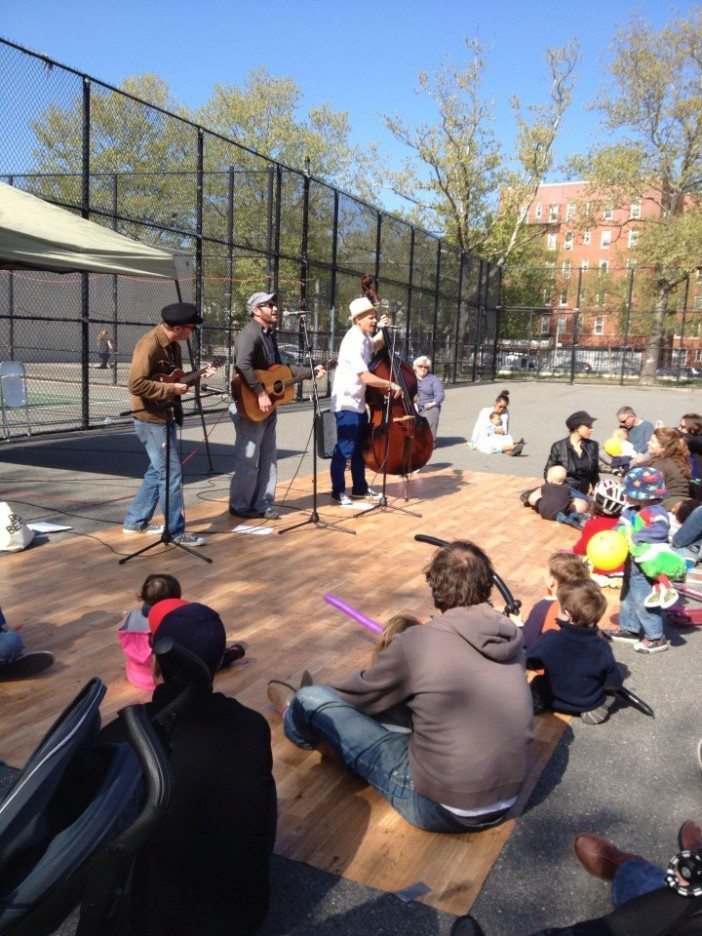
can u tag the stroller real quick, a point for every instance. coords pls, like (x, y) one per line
(76, 816)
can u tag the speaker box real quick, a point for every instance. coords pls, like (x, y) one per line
(326, 434)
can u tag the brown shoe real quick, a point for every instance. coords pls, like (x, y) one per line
(280, 694)
(598, 856)
(689, 836)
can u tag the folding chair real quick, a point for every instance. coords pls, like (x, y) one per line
(13, 392)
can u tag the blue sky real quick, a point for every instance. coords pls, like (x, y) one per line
(362, 57)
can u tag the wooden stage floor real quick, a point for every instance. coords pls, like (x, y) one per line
(269, 591)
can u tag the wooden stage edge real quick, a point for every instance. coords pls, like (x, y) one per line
(269, 591)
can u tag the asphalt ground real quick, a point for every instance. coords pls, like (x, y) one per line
(632, 779)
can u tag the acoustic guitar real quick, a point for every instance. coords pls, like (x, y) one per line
(278, 382)
(179, 376)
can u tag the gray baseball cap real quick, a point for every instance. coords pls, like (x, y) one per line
(257, 299)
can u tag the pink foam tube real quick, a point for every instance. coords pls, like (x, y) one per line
(352, 612)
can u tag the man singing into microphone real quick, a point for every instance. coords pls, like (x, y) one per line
(252, 490)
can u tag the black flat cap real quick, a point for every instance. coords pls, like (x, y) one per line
(181, 313)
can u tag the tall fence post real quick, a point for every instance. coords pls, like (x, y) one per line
(576, 324)
(682, 327)
(476, 329)
(199, 199)
(436, 301)
(334, 273)
(11, 298)
(304, 260)
(115, 287)
(627, 323)
(410, 287)
(229, 285)
(276, 227)
(457, 324)
(269, 227)
(85, 277)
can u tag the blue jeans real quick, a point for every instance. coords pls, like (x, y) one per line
(11, 646)
(635, 878)
(369, 751)
(349, 431)
(255, 463)
(152, 492)
(690, 533)
(634, 616)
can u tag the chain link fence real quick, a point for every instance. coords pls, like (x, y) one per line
(236, 222)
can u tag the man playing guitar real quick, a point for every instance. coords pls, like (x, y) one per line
(156, 353)
(252, 490)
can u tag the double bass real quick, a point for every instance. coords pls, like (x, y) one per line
(398, 440)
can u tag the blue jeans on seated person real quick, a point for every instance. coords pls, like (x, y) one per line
(635, 878)
(152, 492)
(690, 534)
(349, 429)
(369, 751)
(634, 616)
(11, 647)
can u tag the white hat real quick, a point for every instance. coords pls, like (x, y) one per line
(360, 307)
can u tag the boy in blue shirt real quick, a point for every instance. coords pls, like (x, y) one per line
(578, 663)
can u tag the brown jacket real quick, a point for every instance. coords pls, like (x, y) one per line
(153, 354)
(462, 677)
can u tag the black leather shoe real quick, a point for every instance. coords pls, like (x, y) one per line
(246, 514)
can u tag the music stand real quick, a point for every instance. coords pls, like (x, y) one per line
(166, 539)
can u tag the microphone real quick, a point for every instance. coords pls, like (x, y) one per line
(208, 389)
(287, 313)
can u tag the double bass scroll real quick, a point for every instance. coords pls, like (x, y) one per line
(398, 440)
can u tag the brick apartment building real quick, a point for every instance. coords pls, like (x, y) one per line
(581, 255)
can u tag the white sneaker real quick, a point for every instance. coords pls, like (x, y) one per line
(154, 530)
(370, 495)
(190, 539)
(342, 499)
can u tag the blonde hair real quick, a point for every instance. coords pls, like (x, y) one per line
(556, 474)
(395, 626)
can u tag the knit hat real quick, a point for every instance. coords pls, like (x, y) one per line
(193, 626)
(644, 484)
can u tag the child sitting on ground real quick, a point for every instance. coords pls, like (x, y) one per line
(133, 632)
(609, 501)
(553, 500)
(563, 568)
(395, 626)
(643, 521)
(620, 450)
(579, 665)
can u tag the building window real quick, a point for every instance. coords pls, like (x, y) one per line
(570, 211)
(635, 212)
(604, 267)
(632, 239)
(608, 214)
(537, 210)
(563, 298)
(568, 242)
(553, 213)
(605, 239)
(585, 265)
(587, 237)
(551, 242)
(545, 324)
(566, 268)
(698, 303)
(598, 328)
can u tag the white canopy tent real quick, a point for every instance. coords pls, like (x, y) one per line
(37, 235)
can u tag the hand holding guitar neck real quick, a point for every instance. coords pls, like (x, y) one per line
(182, 382)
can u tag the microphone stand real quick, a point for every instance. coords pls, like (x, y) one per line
(198, 404)
(383, 502)
(314, 517)
(166, 539)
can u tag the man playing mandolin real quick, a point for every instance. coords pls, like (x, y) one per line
(252, 490)
(156, 355)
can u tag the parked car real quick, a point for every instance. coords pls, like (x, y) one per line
(579, 367)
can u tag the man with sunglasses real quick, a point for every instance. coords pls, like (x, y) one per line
(156, 354)
(252, 489)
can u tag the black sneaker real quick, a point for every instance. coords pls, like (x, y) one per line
(620, 634)
(233, 652)
(29, 664)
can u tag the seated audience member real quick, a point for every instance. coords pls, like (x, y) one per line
(579, 664)
(638, 432)
(563, 568)
(206, 868)
(492, 437)
(688, 538)
(691, 427)
(554, 500)
(669, 455)
(15, 662)
(579, 455)
(461, 675)
(608, 502)
(430, 393)
(624, 452)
